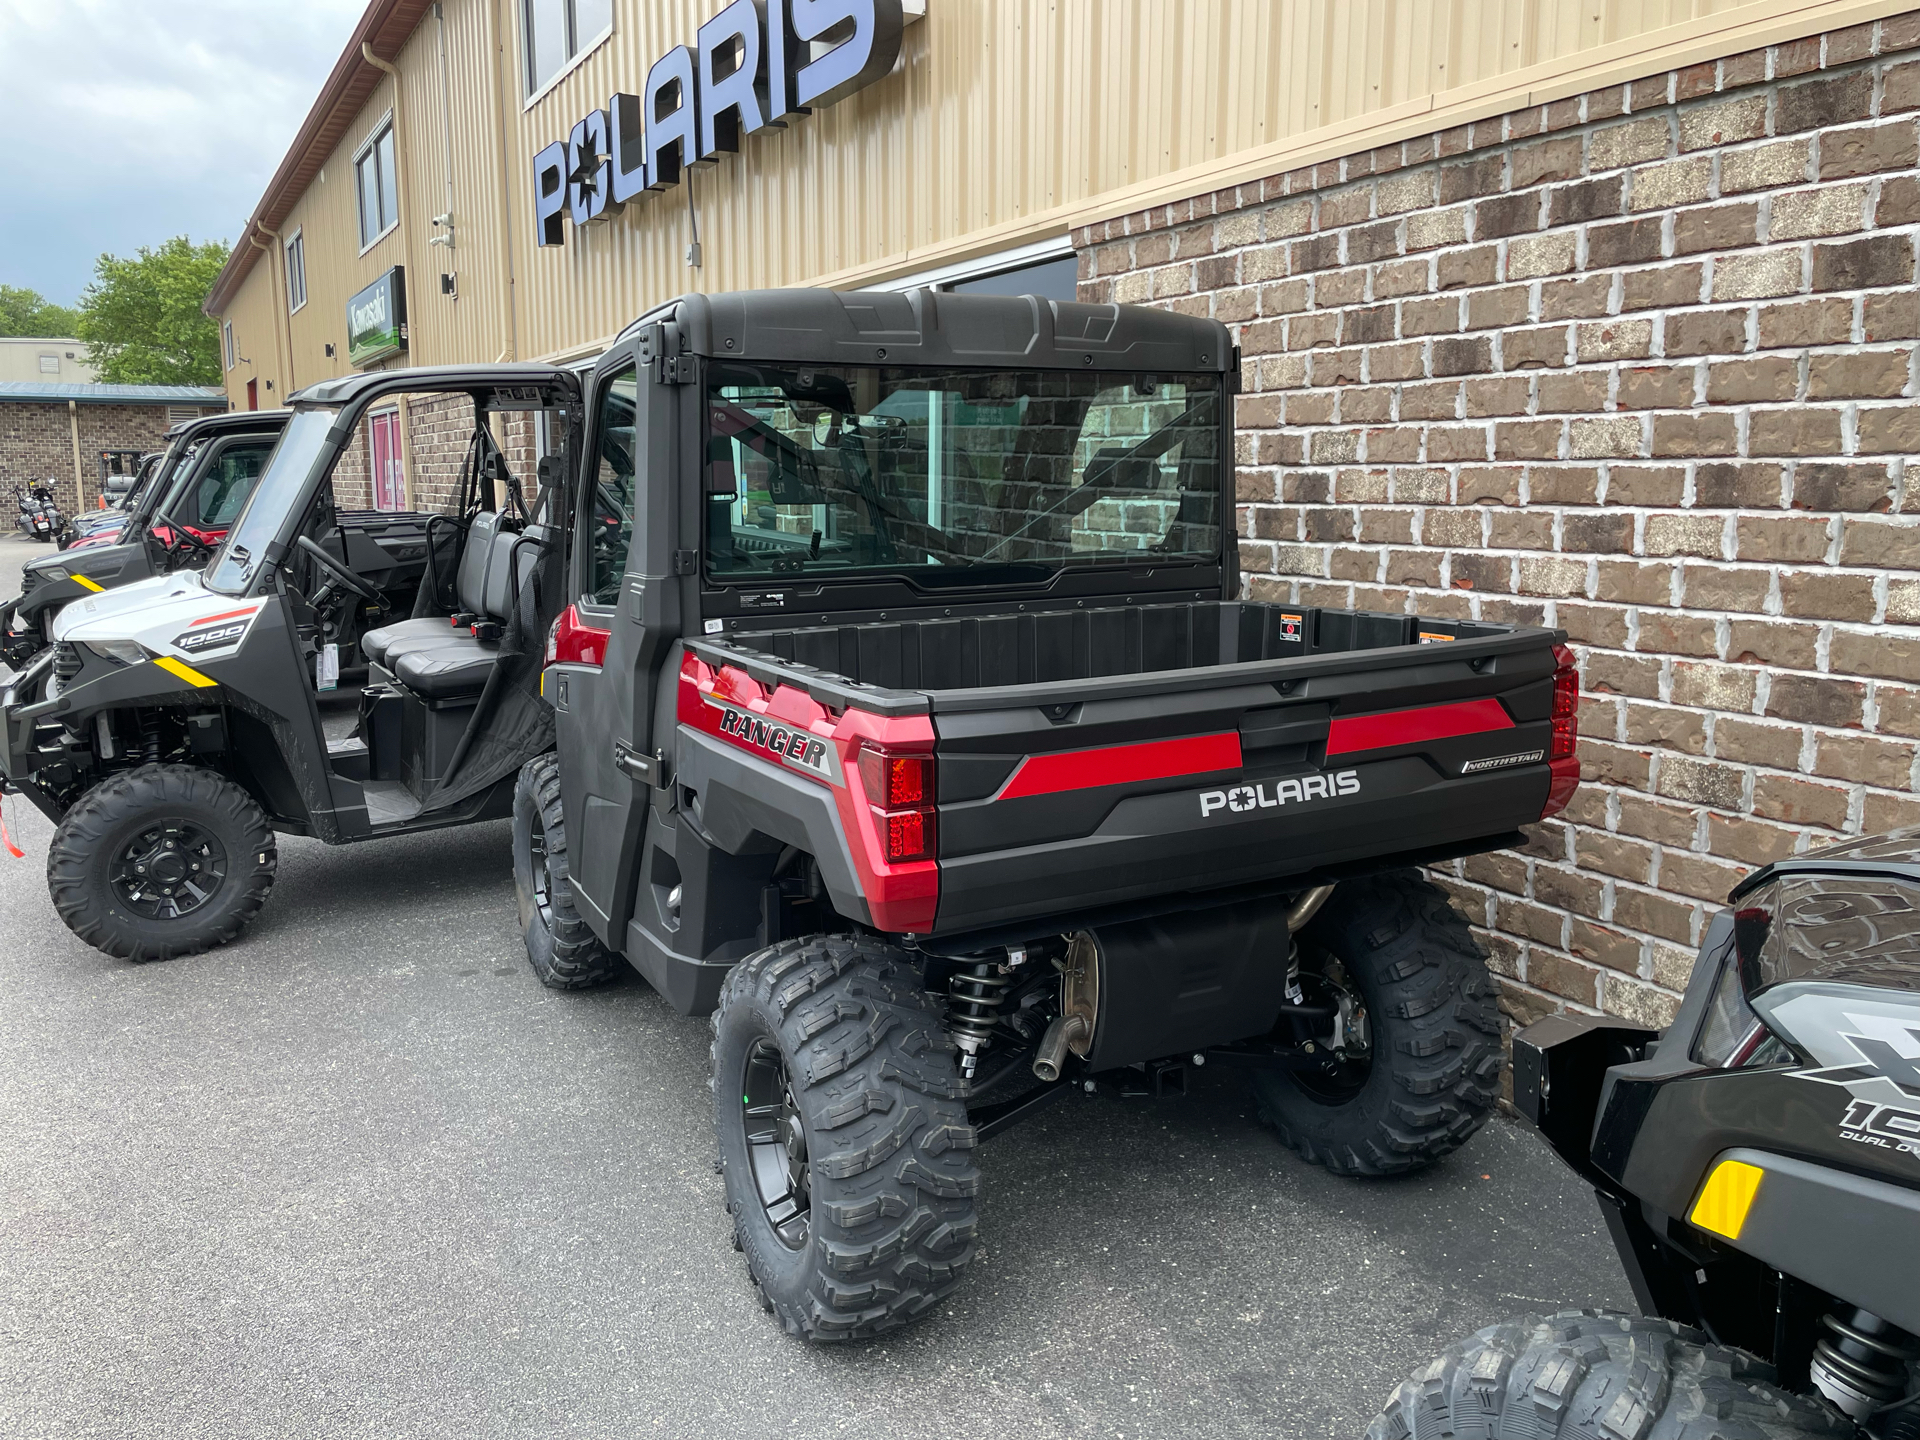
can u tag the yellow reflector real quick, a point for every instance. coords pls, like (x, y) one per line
(185, 671)
(1727, 1197)
(83, 581)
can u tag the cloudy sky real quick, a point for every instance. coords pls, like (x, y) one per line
(123, 122)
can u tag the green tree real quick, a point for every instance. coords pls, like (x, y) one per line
(141, 317)
(28, 312)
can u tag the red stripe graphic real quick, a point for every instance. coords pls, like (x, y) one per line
(226, 615)
(1123, 764)
(1410, 727)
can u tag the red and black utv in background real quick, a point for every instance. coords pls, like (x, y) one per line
(911, 721)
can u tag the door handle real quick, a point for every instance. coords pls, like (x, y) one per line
(631, 762)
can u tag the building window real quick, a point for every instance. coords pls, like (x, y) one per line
(49, 364)
(226, 342)
(296, 272)
(558, 32)
(375, 182)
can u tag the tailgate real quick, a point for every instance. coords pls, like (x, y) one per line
(1057, 798)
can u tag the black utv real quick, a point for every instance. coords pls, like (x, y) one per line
(175, 724)
(1758, 1167)
(175, 517)
(911, 721)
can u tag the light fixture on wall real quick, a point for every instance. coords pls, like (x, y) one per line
(329, 350)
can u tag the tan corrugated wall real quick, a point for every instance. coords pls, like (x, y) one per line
(1004, 117)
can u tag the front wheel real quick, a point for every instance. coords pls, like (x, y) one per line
(161, 861)
(1412, 1063)
(843, 1136)
(561, 947)
(1582, 1373)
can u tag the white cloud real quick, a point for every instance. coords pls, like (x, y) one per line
(123, 122)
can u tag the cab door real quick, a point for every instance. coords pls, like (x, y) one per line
(627, 606)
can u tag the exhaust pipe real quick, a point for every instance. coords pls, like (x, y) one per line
(1065, 1032)
(1306, 907)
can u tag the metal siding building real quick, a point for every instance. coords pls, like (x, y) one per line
(1005, 124)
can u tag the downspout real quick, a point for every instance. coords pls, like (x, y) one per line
(73, 421)
(512, 317)
(280, 351)
(399, 149)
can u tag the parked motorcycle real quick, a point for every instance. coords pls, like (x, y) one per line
(39, 517)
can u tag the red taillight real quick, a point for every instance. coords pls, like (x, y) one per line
(909, 836)
(1566, 705)
(894, 781)
(1562, 749)
(569, 642)
(899, 791)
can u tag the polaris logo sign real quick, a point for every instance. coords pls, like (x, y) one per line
(796, 747)
(1243, 799)
(756, 65)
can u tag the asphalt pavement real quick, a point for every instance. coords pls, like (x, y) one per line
(358, 1175)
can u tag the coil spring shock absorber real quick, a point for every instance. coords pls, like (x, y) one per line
(974, 996)
(150, 738)
(1862, 1364)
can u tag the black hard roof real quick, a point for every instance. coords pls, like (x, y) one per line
(937, 327)
(346, 388)
(232, 420)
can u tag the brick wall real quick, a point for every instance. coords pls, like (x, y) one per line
(438, 430)
(36, 443)
(1639, 364)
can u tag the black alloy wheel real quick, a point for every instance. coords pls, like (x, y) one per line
(777, 1145)
(845, 1147)
(169, 870)
(161, 861)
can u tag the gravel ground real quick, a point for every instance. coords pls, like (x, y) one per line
(359, 1175)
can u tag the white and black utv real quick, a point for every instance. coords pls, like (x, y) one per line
(1758, 1167)
(177, 723)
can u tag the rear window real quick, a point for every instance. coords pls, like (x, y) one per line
(958, 476)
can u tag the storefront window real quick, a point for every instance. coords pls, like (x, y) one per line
(558, 30)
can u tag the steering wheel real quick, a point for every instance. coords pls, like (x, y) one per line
(339, 572)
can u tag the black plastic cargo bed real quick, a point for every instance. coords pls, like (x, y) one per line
(1087, 757)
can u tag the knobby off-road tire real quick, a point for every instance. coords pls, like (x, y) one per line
(886, 1172)
(1435, 1063)
(563, 951)
(1598, 1376)
(164, 818)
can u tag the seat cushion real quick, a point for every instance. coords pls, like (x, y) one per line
(390, 641)
(455, 666)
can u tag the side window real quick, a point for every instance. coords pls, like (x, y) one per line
(228, 482)
(608, 512)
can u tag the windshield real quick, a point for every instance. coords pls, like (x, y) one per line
(963, 476)
(267, 511)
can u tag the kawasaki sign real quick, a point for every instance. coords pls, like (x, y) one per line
(757, 65)
(377, 319)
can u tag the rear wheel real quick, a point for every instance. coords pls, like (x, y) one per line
(843, 1138)
(161, 861)
(1411, 1066)
(1586, 1374)
(561, 947)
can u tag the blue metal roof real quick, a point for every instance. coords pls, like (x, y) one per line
(33, 392)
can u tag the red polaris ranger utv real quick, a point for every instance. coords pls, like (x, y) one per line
(910, 722)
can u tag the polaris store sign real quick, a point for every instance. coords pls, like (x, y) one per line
(756, 64)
